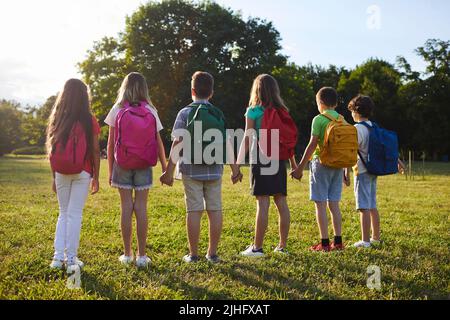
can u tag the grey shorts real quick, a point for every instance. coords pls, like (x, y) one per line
(132, 179)
(366, 191)
(325, 183)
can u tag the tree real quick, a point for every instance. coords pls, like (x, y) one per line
(425, 101)
(381, 81)
(168, 41)
(10, 124)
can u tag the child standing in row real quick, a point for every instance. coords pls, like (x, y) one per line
(74, 152)
(361, 108)
(266, 94)
(325, 182)
(202, 182)
(134, 146)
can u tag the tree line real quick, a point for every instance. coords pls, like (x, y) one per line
(168, 41)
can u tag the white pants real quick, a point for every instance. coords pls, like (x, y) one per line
(72, 192)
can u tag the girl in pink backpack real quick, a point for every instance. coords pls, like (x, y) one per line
(74, 152)
(134, 147)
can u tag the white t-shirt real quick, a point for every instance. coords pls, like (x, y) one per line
(112, 115)
(363, 143)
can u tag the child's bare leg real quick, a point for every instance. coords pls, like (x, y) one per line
(262, 220)
(376, 231)
(322, 219)
(337, 217)
(215, 230)
(126, 201)
(284, 220)
(365, 225)
(140, 209)
(193, 221)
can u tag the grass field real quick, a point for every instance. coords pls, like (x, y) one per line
(414, 260)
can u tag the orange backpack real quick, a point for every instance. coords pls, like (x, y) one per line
(340, 145)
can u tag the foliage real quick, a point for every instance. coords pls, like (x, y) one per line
(29, 151)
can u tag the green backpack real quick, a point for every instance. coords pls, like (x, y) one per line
(210, 117)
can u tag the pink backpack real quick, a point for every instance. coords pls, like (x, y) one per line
(136, 145)
(71, 158)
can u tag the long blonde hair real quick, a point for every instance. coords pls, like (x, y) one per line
(71, 106)
(266, 92)
(134, 89)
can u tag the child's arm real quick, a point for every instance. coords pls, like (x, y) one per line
(110, 153)
(162, 154)
(245, 145)
(298, 173)
(54, 183)
(293, 163)
(401, 167)
(96, 169)
(347, 176)
(167, 176)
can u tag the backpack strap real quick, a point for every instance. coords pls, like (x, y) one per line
(368, 126)
(332, 118)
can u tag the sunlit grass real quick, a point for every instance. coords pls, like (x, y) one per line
(414, 260)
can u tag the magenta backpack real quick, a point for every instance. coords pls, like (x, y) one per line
(136, 144)
(71, 158)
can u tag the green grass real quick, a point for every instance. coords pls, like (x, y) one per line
(414, 260)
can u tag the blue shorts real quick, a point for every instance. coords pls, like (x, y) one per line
(366, 191)
(325, 183)
(132, 179)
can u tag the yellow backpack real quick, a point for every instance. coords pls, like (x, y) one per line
(340, 145)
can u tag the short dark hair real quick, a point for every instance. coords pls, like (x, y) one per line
(328, 96)
(203, 84)
(363, 105)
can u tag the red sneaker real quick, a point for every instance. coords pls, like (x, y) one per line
(320, 247)
(337, 247)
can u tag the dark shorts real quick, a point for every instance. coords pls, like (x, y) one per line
(269, 182)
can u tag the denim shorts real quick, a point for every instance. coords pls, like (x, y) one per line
(325, 183)
(366, 191)
(132, 179)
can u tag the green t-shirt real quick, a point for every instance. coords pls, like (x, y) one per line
(256, 114)
(319, 126)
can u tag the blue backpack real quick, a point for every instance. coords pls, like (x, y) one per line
(383, 154)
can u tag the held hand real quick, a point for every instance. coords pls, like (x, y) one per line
(347, 180)
(297, 174)
(166, 179)
(95, 186)
(54, 186)
(110, 180)
(401, 168)
(237, 178)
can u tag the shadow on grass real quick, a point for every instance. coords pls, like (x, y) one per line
(262, 279)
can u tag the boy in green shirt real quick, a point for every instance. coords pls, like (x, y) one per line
(325, 182)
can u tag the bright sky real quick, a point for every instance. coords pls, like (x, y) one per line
(41, 41)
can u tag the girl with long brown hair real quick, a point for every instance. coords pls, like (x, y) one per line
(73, 149)
(265, 94)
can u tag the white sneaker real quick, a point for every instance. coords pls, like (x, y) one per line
(252, 253)
(125, 260)
(57, 264)
(75, 262)
(143, 262)
(362, 244)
